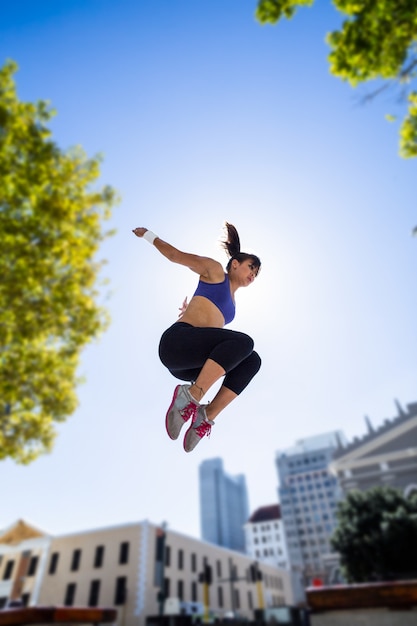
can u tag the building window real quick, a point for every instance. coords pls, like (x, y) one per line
(33, 564)
(53, 563)
(94, 593)
(167, 556)
(219, 568)
(250, 600)
(220, 596)
(120, 591)
(193, 562)
(237, 599)
(76, 559)
(25, 599)
(8, 570)
(124, 553)
(180, 559)
(70, 594)
(167, 587)
(99, 557)
(193, 591)
(180, 589)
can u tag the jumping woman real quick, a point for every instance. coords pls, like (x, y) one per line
(197, 348)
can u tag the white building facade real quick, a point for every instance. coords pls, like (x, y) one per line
(265, 537)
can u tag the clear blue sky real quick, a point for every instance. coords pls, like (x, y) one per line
(203, 116)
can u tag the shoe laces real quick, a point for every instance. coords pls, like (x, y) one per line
(189, 411)
(203, 429)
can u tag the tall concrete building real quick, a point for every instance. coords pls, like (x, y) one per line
(126, 567)
(308, 494)
(224, 507)
(386, 455)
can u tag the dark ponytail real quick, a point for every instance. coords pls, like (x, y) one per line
(232, 243)
(232, 246)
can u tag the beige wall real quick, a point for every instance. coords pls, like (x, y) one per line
(54, 586)
(140, 572)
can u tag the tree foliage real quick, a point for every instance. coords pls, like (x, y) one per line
(50, 229)
(377, 41)
(376, 536)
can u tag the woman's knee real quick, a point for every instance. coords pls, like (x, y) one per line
(242, 346)
(246, 343)
(238, 379)
(235, 349)
(252, 364)
(256, 362)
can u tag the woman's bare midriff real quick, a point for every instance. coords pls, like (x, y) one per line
(202, 313)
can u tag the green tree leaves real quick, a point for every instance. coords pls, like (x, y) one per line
(408, 132)
(377, 535)
(377, 41)
(50, 228)
(272, 10)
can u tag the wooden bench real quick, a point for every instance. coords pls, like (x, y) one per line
(57, 615)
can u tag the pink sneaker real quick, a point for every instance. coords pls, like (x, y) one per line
(182, 408)
(200, 427)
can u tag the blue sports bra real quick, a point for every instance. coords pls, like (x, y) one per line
(219, 294)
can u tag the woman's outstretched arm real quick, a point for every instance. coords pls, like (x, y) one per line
(204, 266)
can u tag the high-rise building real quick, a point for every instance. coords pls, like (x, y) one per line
(224, 506)
(308, 494)
(265, 538)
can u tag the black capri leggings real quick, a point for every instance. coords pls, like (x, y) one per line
(184, 349)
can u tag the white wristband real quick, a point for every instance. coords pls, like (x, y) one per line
(150, 236)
